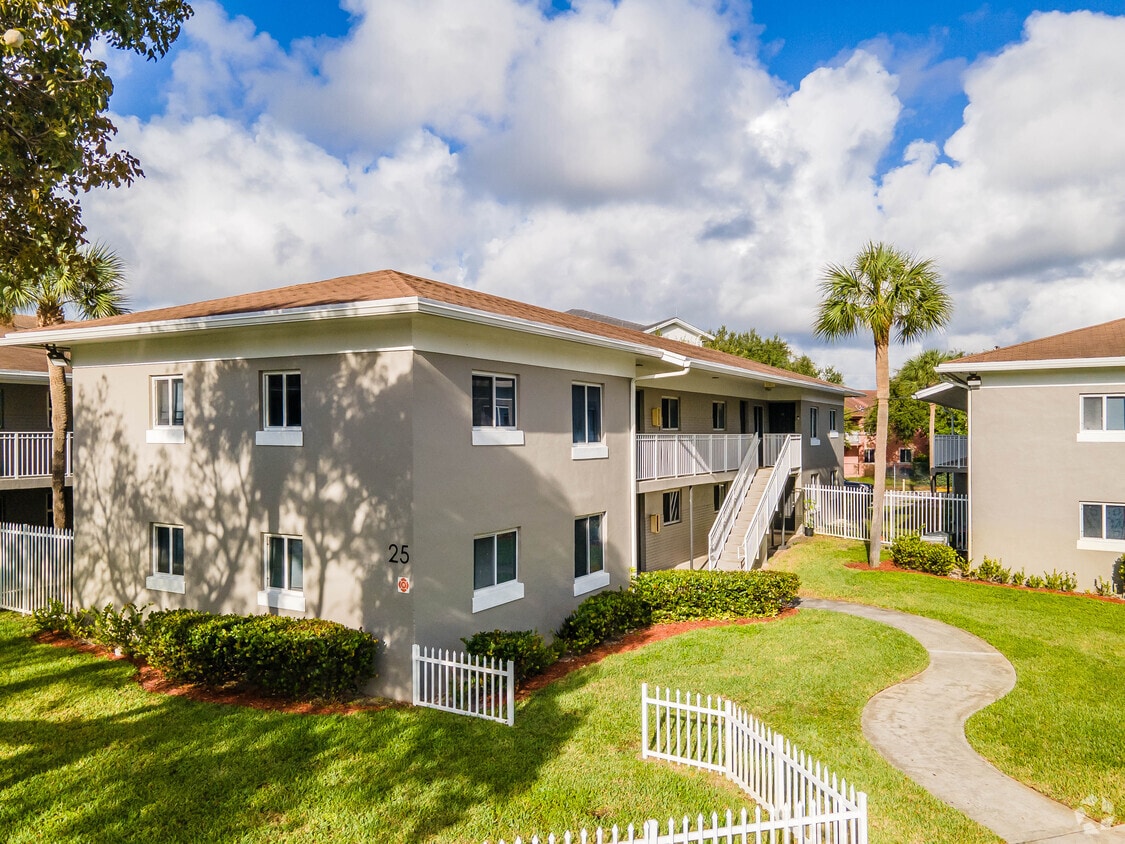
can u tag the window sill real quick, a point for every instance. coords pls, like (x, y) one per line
(589, 451)
(814, 441)
(590, 582)
(833, 435)
(1101, 436)
(287, 436)
(165, 435)
(282, 599)
(497, 436)
(1115, 545)
(494, 596)
(165, 583)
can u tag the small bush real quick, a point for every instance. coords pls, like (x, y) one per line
(1019, 578)
(107, 627)
(1034, 581)
(1060, 581)
(910, 552)
(991, 571)
(524, 647)
(602, 617)
(53, 618)
(964, 567)
(694, 595)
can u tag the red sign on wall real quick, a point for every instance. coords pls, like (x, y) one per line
(404, 585)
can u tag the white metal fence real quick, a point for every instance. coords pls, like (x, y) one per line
(951, 451)
(681, 455)
(28, 454)
(846, 512)
(803, 800)
(456, 682)
(36, 567)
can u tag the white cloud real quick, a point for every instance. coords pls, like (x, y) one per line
(627, 158)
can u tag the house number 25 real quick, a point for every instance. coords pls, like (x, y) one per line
(399, 554)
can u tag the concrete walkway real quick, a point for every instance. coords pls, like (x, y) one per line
(919, 727)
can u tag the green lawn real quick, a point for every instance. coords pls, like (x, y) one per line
(86, 755)
(1062, 729)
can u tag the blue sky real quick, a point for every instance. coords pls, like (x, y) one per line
(639, 157)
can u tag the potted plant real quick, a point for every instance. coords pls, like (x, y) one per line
(810, 524)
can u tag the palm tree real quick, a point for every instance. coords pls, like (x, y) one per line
(884, 290)
(90, 284)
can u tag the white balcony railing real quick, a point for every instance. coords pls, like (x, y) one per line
(951, 451)
(682, 455)
(28, 455)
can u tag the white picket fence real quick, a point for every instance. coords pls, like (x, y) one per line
(36, 567)
(846, 512)
(457, 682)
(804, 802)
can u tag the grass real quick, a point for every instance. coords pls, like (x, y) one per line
(86, 755)
(1062, 729)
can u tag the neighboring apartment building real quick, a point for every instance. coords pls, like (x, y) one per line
(419, 459)
(1046, 450)
(859, 447)
(25, 433)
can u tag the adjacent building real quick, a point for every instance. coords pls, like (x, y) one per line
(419, 459)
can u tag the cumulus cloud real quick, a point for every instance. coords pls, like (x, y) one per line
(634, 158)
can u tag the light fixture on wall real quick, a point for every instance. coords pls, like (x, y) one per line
(56, 356)
(973, 381)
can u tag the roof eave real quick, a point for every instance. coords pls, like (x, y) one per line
(1018, 365)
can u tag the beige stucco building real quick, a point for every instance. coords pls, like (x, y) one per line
(1046, 451)
(414, 458)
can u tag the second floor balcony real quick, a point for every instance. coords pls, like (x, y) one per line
(683, 455)
(28, 454)
(951, 451)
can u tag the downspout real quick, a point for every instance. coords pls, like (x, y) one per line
(691, 527)
(635, 529)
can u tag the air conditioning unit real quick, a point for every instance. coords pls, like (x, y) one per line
(654, 523)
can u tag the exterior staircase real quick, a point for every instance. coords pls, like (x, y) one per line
(730, 557)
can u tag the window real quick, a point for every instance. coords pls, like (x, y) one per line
(814, 426)
(1103, 418)
(670, 413)
(495, 569)
(589, 554)
(905, 455)
(1103, 527)
(167, 410)
(494, 410)
(167, 549)
(719, 415)
(284, 558)
(281, 409)
(672, 507)
(719, 493)
(586, 421)
(869, 455)
(833, 431)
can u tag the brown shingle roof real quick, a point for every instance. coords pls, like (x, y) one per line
(15, 358)
(1098, 341)
(390, 284)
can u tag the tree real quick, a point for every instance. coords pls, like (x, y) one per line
(907, 415)
(772, 351)
(54, 133)
(884, 291)
(90, 283)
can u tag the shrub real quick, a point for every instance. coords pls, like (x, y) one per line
(1060, 582)
(963, 566)
(1035, 581)
(51, 618)
(290, 657)
(992, 571)
(1018, 578)
(910, 552)
(602, 617)
(691, 595)
(524, 647)
(108, 627)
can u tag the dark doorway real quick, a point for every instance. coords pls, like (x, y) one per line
(742, 406)
(642, 532)
(640, 411)
(783, 417)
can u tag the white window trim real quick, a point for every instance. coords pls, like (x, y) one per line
(497, 436)
(590, 582)
(269, 429)
(664, 426)
(713, 406)
(814, 441)
(833, 435)
(169, 435)
(814, 426)
(282, 599)
(681, 508)
(280, 436)
(1101, 436)
(588, 451)
(1098, 435)
(157, 433)
(165, 583)
(494, 596)
(1098, 543)
(833, 431)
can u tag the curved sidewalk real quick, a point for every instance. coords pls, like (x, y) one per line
(919, 727)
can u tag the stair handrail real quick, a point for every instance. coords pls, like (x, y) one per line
(767, 504)
(736, 496)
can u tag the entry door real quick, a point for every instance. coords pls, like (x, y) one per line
(742, 416)
(783, 417)
(640, 411)
(758, 430)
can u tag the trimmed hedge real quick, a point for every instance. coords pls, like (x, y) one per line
(679, 595)
(601, 617)
(523, 647)
(290, 657)
(910, 552)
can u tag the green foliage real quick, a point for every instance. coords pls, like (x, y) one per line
(909, 552)
(1019, 578)
(107, 627)
(289, 657)
(52, 618)
(992, 571)
(55, 139)
(692, 595)
(1034, 581)
(523, 647)
(601, 617)
(908, 416)
(772, 351)
(1060, 581)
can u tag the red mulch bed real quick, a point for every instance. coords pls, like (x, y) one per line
(153, 680)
